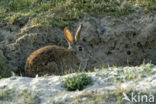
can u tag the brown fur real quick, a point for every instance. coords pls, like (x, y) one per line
(50, 59)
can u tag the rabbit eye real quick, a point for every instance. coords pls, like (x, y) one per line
(80, 48)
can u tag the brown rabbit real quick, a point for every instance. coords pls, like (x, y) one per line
(57, 60)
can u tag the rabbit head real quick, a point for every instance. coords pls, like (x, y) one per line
(77, 46)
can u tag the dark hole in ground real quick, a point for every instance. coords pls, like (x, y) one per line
(134, 34)
(128, 52)
(84, 39)
(109, 52)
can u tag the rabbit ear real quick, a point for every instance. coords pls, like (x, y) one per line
(77, 35)
(69, 35)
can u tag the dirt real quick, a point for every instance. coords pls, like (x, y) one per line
(114, 40)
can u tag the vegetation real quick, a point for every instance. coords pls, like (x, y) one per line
(61, 13)
(64, 12)
(110, 96)
(4, 71)
(18, 97)
(78, 82)
(124, 74)
(135, 73)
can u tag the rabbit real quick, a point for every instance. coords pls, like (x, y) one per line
(57, 60)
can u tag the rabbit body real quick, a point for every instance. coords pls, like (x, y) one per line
(51, 60)
(58, 60)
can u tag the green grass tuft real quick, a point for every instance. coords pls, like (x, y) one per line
(77, 82)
